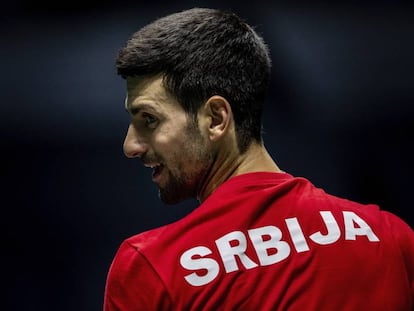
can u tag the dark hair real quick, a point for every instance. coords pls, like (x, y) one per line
(200, 53)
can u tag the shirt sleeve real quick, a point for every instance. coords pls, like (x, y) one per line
(133, 285)
(404, 237)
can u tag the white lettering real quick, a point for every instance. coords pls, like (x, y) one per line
(350, 218)
(273, 241)
(268, 244)
(228, 252)
(188, 261)
(296, 234)
(333, 230)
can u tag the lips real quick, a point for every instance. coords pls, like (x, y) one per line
(156, 171)
(156, 168)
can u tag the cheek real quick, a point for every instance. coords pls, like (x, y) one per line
(172, 137)
(171, 146)
(180, 146)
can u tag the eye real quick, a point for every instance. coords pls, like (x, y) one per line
(149, 120)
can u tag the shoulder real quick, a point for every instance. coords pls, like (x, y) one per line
(403, 236)
(139, 242)
(132, 283)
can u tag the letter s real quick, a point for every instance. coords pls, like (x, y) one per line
(188, 262)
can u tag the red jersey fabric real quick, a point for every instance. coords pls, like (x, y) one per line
(268, 241)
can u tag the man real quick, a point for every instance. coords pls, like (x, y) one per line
(261, 239)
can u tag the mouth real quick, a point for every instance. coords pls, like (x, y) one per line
(156, 169)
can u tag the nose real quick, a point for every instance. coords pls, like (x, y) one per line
(133, 144)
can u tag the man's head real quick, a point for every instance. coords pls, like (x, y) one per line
(167, 140)
(200, 53)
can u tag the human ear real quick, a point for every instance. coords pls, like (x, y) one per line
(220, 116)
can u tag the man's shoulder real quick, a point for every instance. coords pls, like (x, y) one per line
(145, 239)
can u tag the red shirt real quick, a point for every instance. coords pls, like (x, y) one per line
(268, 241)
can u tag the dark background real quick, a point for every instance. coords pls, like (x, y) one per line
(340, 112)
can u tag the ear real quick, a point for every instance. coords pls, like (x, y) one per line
(219, 115)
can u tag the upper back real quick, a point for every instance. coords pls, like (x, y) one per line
(273, 242)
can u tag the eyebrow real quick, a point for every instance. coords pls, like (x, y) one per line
(135, 110)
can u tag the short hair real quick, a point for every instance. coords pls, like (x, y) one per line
(203, 52)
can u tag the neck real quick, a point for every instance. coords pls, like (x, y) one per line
(230, 164)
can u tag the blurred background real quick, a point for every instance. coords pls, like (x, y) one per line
(340, 112)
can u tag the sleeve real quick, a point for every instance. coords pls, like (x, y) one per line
(404, 236)
(132, 284)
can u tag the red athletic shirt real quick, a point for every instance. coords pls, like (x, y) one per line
(268, 241)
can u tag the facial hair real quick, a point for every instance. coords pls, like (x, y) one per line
(193, 164)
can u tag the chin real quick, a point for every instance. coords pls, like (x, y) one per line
(172, 197)
(170, 200)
